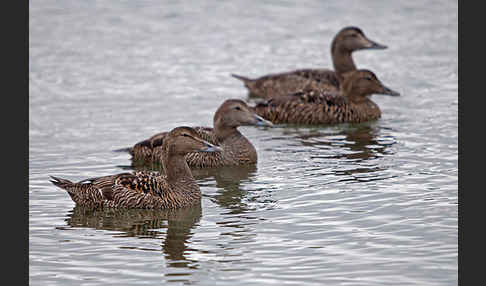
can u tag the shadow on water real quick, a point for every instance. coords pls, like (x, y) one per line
(145, 224)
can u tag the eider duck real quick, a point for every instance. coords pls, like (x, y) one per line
(146, 190)
(351, 104)
(346, 41)
(236, 148)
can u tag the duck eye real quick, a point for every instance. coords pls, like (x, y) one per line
(369, 78)
(185, 134)
(237, 108)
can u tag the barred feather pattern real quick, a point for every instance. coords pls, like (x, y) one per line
(316, 107)
(237, 150)
(140, 189)
(281, 84)
(142, 151)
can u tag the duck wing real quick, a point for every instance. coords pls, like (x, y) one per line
(318, 97)
(282, 84)
(143, 182)
(306, 96)
(325, 77)
(304, 107)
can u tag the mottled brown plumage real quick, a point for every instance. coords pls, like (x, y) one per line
(146, 190)
(237, 149)
(346, 41)
(351, 104)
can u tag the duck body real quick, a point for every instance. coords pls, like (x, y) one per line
(146, 190)
(236, 148)
(346, 41)
(329, 109)
(141, 190)
(350, 105)
(280, 84)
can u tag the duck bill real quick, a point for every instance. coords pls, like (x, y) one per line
(208, 147)
(371, 45)
(388, 91)
(262, 122)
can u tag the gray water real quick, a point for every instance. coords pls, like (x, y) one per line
(351, 204)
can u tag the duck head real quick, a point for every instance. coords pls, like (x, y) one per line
(346, 41)
(235, 112)
(351, 39)
(360, 84)
(183, 140)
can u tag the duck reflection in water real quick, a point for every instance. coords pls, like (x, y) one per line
(180, 224)
(239, 199)
(232, 190)
(363, 140)
(351, 148)
(229, 179)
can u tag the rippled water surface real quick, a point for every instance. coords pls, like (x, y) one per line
(352, 204)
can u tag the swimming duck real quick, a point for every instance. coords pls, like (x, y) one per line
(147, 190)
(236, 148)
(346, 41)
(351, 104)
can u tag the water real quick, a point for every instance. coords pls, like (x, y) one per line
(352, 204)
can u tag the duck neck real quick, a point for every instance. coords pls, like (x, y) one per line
(237, 149)
(352, 97)
(176, 168)
(224, 132)
(342, 61)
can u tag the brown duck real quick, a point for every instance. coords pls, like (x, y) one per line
(236, 148)
(146, 190)
(346, 41)
(351, 104)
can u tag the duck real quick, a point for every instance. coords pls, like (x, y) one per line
(345, 42)
(175, 189)
(236, 148)
(352, 104)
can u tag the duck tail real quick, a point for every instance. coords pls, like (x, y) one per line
(124, 150)
(247, 81)
(62, 183)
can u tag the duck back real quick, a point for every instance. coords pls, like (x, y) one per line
(281, 84)
(317, 108)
